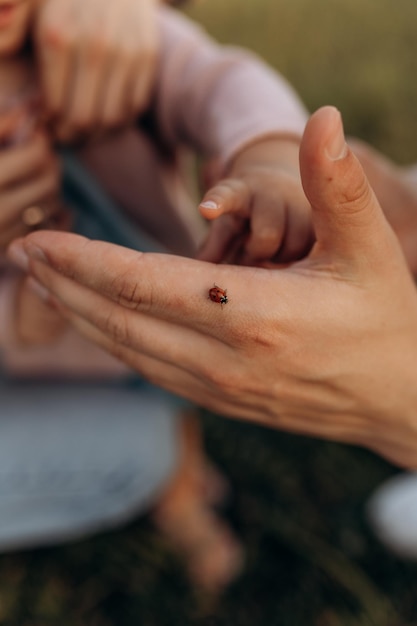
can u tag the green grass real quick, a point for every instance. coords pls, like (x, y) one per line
(298, 504)
(360, 55)
(311, 560)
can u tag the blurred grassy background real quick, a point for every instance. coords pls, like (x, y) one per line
(298, 504)
(360, 55)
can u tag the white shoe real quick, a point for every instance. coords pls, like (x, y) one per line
(392, 513)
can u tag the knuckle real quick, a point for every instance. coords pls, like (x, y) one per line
(115, 349)
(127, 293)
(231, 185)
(268, 237)
(229, 384)
(251, 337)
(116, 326)
(229, 380)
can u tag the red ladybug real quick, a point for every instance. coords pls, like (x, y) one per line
(216, 294)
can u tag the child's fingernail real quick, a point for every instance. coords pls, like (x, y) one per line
(336, 147)
(37, 288)
(209, 204)
(17, 254)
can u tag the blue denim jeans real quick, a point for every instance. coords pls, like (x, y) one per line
(78, 457)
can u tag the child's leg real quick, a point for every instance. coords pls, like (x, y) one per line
(212, 554)
(151, 189)
(209, 481)
(77, 459)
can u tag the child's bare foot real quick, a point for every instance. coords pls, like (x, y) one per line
(213, 556)
(215, 488)
(396, 191)
(212, 486)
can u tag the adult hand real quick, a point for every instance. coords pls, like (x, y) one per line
(326, 347)
(97, 61)
(397, 194)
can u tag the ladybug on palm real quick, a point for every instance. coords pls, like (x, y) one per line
(219, 295)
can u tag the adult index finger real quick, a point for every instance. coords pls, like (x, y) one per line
(165, 286)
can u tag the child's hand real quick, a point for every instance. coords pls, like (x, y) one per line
(97, 61)
(260, 209)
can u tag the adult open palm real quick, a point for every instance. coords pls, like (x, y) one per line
(325, 347)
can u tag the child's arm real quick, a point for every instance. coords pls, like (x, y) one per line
(218, 99)
(230, 107)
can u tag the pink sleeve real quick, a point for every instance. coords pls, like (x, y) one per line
(216, 98)
(69, 357)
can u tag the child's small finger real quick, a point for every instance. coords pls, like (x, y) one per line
(268, 224)
(219, 239)
(228, 196)
(299, 238)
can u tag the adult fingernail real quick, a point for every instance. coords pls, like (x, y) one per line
(336, 147)
(17, 254)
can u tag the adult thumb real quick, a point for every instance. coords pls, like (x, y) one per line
(348, 220)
